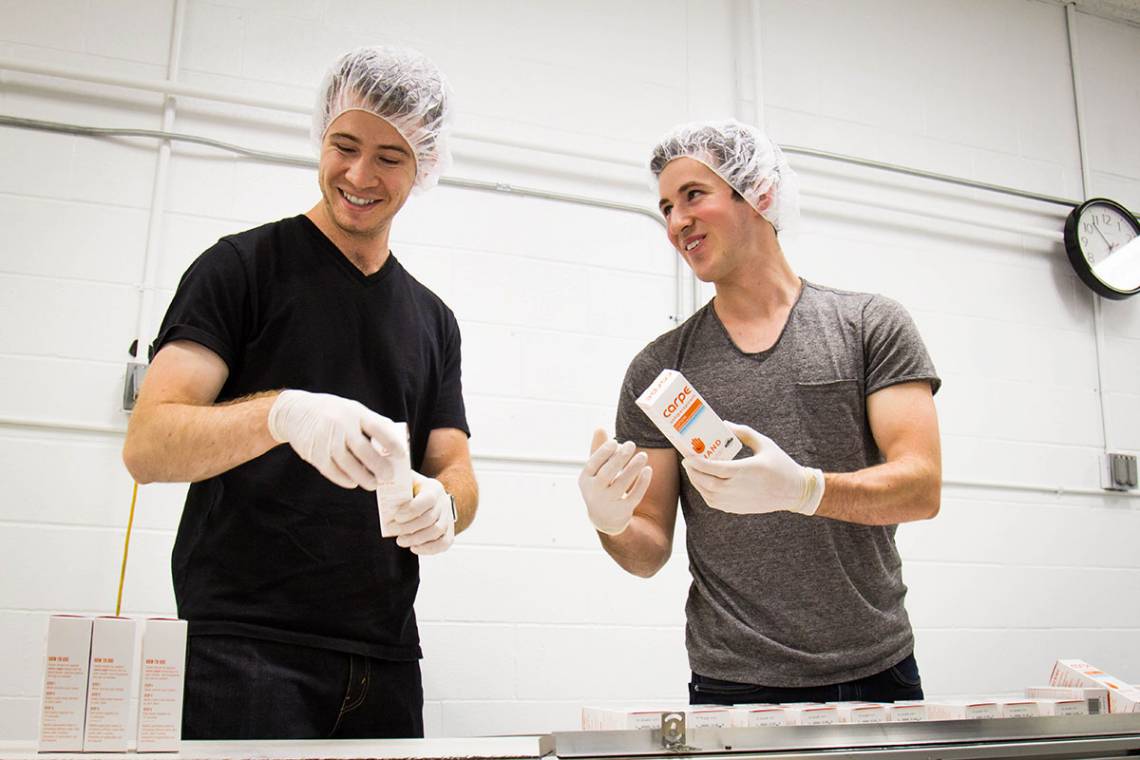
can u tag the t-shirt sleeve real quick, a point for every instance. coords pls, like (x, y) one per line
(211, 305)
(893, 348)
(450, 411)
(632, 423)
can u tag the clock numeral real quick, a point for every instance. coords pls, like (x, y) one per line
(1106, 218)
(1084, 240)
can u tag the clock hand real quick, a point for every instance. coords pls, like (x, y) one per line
(1102, 237)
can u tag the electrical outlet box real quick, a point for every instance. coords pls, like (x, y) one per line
(1119, 472)
(132, 383)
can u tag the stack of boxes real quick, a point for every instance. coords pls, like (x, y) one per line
(90, 668)
(1076, 688)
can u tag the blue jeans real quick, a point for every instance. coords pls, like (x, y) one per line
(900, 681)
(242, 688)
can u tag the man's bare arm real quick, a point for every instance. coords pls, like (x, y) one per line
(645, 545)
(908, 485)
(177, 433)
(448, 460)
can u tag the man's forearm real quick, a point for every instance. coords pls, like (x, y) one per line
(177, 443)
(459, 481)
(904, 490)
(641, 549)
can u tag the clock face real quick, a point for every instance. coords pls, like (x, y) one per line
(1103, 229)
(1102, 240)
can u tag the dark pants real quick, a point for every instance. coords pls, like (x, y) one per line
(900, 681)
(241, 688)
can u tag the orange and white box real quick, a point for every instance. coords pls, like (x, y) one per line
(67, 657)
(393, 493)
(1122, 697)
(708, 716)
(860, 712)
(758, 715)
(109, 685)
(686, 419)
(1062, 707)
(1096, 697)
(962, 710)
(905, 712)
(621, 719)
(1019, 708)
(162, 682)
(811, 714)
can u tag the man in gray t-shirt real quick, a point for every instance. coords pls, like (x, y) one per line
(797, 591)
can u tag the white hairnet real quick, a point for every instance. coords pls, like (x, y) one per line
(742, 156)
(401, 86)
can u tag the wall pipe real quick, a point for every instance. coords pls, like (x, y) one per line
(165, 86)
(158, 193)
(1086, 186)
(520, 458)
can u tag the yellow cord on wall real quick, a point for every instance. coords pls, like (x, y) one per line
(126, 547)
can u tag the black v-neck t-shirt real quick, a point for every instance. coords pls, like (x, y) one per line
(271, 549)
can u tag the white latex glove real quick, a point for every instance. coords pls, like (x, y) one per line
(767, 481)
(335, 435)
(426, 524)
(613, 482)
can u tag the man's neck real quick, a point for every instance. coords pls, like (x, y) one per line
(368, 253)
(761, 291)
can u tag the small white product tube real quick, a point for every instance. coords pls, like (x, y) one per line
(109, 685)
(67, 656)
(686, 419)
(394, 493)
(163, 678)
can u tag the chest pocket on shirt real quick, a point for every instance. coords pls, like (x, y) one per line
(832, 419)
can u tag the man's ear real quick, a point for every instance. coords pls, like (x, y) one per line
(764, 202)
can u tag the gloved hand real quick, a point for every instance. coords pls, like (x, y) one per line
(767, 481)
(335, 435)
(613, 482)
(426, 524)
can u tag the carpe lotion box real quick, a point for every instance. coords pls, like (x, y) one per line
(1122, 697)
(687, 421)
(1096, 698)
(109, 684)
(392, 494)
(66, 660)
(161, 686)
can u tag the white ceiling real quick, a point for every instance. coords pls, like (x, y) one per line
(1127, 11)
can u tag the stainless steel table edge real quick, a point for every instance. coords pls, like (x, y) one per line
(1095, 735)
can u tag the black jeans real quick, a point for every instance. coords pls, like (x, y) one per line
(242, 688)
(900, 681)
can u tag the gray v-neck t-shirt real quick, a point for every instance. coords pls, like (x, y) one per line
(783, 599)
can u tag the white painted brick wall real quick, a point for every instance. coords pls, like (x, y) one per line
(527, 618)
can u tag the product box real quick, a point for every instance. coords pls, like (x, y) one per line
(811, 714)
(391, 494)
(1063, 707)
(962, 710)
(687, 421)
(758, 715)
(109, 684)
(905, 712)
(162, 679)
(1018, 708)
(1096, 697)
(708, 716)
(621, 719)
(67, 657)
(860, 712)
(1122, 697)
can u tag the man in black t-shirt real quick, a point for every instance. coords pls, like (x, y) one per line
(308, 331)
